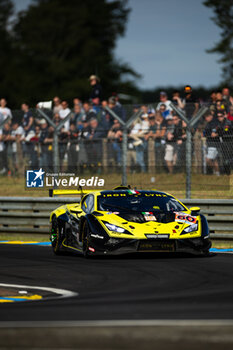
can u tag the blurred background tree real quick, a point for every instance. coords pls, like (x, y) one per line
(223, 17)
(53, 46)
(6, 56)
(57, 46)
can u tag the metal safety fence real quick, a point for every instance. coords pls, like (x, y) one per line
(31, 215)
(186, 148)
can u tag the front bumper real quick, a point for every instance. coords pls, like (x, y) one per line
(125, 246)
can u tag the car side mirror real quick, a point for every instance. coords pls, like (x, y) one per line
(195, 211)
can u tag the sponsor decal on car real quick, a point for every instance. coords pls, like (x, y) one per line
(133, 192)
(156, 236)
(186, 218)
(148, 216)
(96, 236)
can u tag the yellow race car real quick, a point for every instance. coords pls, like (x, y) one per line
(123, 221)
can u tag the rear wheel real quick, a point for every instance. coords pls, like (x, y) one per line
(56, 236)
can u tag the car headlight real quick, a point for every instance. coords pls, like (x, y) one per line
(115, 228)
(191, 228)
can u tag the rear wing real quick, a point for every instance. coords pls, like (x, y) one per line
(79, 192)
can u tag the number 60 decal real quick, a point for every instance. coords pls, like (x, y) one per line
(187, 218)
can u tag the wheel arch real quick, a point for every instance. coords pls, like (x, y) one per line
(93, 224)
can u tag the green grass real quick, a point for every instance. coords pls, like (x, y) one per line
(24, 237)
(222, 244)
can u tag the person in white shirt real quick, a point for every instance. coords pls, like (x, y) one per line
(63, 113)
(4, 111)
(164, 101)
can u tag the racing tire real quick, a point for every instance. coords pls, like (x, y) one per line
(85, 239)
(56, 236)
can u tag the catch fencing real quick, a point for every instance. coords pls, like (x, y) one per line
(31, 215)
(141, 145)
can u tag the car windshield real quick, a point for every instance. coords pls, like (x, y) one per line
(141, 201)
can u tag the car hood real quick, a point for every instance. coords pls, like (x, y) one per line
(140, 224)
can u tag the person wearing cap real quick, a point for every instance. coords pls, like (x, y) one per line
(190, 102)
(96, 88)
(164, 101)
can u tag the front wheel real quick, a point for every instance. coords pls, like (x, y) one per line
(85, 239)
(56, 236)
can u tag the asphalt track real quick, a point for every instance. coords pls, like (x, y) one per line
(134, 287)
(167, 289)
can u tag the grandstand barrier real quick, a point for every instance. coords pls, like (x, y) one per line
(31, 215)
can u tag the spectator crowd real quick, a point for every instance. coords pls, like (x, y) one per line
(29, 140)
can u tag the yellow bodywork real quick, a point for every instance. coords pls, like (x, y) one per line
(136, 230)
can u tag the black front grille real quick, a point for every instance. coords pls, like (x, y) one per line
(156, 245)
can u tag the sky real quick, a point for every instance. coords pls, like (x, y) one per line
(166, 42)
